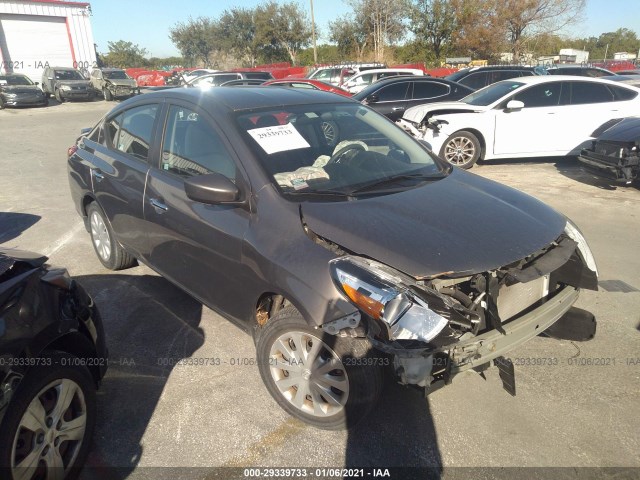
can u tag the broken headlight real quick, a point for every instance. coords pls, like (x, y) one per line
(576, 235)
(382, 296)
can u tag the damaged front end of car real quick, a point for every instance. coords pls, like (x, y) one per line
(437, 327)
(615, 153)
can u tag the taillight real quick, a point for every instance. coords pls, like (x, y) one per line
(71, 150)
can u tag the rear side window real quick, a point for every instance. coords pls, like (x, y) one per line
(587, 92)
(395, 92)
(475, 80)
(220, 79)
(131, 131)
(429, 90)
(258, 75)
(505, 75)
(623, 94)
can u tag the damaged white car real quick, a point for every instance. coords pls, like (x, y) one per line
(524, 117)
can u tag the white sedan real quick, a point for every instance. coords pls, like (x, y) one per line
(524, 117)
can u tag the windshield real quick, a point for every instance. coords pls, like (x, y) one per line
(116, 75)
(15, 80)
(68, 75)
(336, 150)
(492, 93)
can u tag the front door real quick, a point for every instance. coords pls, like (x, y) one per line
(197, 246)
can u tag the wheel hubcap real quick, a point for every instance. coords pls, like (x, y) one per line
(459, 150)
(50, 432)
(309, 374)
(329, 133)
(100, 236)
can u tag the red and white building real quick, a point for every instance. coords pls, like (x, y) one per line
(39, 33)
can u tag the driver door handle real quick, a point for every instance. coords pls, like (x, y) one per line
(158, 205)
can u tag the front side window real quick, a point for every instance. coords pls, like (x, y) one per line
(192, 147)
(544, 95)
(333, 151)
(475, 80)
(492, 93)
(131, 131)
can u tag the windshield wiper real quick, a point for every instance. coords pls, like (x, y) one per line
(396, 178)
(331, 193)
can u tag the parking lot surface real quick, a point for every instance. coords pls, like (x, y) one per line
(162, 405)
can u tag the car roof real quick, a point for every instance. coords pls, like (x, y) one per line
(497, 67)
(248, 98)
(554, 78)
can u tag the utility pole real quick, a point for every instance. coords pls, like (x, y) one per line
(313, 36)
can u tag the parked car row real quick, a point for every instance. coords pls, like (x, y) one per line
(64, 83)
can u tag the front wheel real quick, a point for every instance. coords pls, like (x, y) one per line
(461, 149)
(108, 96)
(326, 381)
(47, 430)
(59, 97)
(109, 251)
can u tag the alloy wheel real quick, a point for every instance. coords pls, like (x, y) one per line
(309, 374)
(459, 151)
(100, 236)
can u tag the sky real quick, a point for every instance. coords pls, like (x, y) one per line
(147, 22)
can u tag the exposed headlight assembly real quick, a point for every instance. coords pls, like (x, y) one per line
(65, 87)
(382, 296)
(576, 235)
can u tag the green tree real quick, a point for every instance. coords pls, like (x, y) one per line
(238, 34)
(434, 23)
(124, 54)
(196, 39)
(283, 25)
(351, 35)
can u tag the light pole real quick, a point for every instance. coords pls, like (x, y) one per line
(313, 35)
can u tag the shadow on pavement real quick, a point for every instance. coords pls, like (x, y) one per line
(149, 325)
(12, 224)
(399, 432)
(575, 171)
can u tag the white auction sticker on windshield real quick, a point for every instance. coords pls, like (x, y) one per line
(279, 138)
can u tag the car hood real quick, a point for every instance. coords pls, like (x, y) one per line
(627, 130)
(122, 82)
(10, 256)
(21, 89)
(416, 114)
(462, 224)
(74, 83)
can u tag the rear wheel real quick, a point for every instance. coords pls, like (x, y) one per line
(109, 251)
(47, 430)
(461, 149)
(326, 381)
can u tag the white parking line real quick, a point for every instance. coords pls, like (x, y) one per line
(63, 240)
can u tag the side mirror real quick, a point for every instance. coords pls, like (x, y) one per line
(515, 105)
(373, 98)
(211, 189)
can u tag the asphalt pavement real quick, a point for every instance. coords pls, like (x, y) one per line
(577, 404)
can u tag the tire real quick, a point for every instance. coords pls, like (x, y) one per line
(109, 251)
(1, 103)
(108, 96)
(59, 96)
(356, 386)
(41, 433)
(46, 101)
(461, 149)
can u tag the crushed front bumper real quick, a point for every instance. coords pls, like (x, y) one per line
(432, 369)
(620, 169)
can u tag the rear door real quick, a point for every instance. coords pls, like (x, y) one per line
(195, 245)
(119, 172)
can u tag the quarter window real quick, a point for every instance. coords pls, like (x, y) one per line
(130, 132)
(191, 147)
(623, 94)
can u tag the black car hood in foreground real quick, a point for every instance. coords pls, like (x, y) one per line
(9, 256)
(627, 130)
(462, 224)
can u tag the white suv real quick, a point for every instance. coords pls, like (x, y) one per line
(361, 80)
